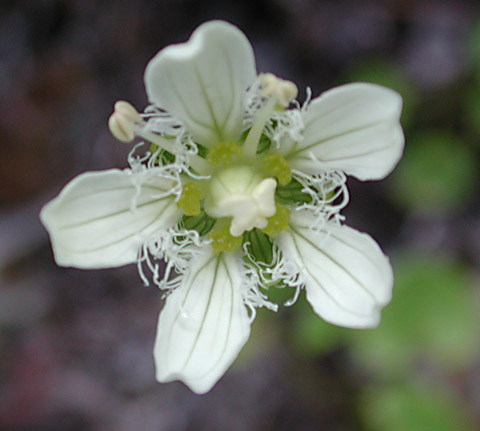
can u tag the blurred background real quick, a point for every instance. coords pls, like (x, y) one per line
(76, 346)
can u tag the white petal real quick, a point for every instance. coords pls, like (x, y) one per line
(91, 224)
(203, 81)
(203, 325)
(353, 128)
(348, 279)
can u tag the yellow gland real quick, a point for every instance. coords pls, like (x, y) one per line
(223, 153)
(278, 222)
(329, 196)
(275, 165)
(189, 201)
(223, 240)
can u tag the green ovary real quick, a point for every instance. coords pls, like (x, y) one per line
(233, 180)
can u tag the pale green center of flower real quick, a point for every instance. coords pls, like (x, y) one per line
(242, 186)
(241, 193)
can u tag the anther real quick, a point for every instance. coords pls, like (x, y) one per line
(282, 90)
(121, 122)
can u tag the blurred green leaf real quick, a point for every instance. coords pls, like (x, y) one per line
(265, 336)
(410, 408)
(471, 110)
(384, 73)
(473, 47)
(309, 335)
(437, 173)
(433, 315)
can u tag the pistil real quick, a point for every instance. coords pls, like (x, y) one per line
(241, 193)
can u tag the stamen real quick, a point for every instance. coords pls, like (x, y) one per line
(125, 123)
(283, 91)
(196, 162)
(253, 138)
(127, 109)
(277, 92)
(121, 122)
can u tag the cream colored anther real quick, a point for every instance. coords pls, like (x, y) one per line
(282, 90)
(121, 122)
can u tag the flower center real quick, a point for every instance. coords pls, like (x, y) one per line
(241, 193)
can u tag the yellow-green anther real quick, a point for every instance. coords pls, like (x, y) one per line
(223, 240)
(278, 222)
(189, 201)
(223, 153)
(275, 165)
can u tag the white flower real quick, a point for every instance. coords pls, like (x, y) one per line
(239, 191)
